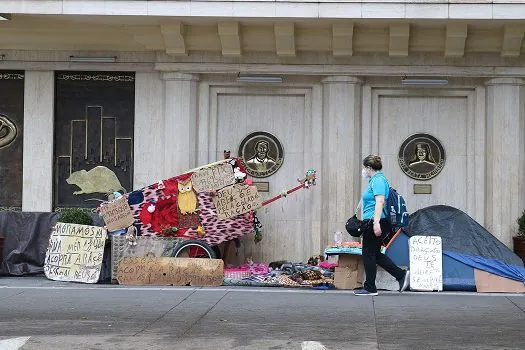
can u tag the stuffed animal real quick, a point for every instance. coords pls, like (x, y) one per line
(187, 199)
(238, 174)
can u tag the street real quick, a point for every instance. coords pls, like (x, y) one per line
(41, 314)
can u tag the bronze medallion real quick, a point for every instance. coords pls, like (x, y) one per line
(261, 154)
(421, 157)
(8, 131)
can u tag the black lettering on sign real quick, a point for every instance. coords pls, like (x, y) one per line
(175, 271)
(213, 178)
(75, 253)
(235, 200)
(426, 269)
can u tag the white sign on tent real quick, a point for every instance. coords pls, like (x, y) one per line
(426, 263)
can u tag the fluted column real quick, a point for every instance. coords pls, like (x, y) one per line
(341, 150)
(180, 122)
(505, 156)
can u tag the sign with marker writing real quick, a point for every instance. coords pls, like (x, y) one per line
(117, 214)
(235, 200)
(75, 253)
(171, 271)
(426, 263)
(213, 178)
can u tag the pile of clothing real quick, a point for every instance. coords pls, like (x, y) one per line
(316, 274)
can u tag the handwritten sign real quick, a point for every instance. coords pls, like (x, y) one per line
(171, 271)
(75, 253)
(213, 178)
(236, 200)
(426, 263)
(117, 214)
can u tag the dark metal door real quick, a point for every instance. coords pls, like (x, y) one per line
(94, 121)
(11, 137)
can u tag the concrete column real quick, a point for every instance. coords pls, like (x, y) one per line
(180, 122)
(149, 141)
(37, 192)
(505, 185)
(341, 152)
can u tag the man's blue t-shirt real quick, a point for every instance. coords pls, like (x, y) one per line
(377, 185)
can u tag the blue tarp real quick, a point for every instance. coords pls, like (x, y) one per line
(496, 267)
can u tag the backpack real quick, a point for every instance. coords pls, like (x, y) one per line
(396, 210)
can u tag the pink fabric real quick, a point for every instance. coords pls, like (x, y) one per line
(254, 269)
(326, 265)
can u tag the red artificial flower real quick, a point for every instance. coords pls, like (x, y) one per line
(164, 216)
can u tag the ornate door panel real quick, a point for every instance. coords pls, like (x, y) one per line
(443, 116)
(11, 137)
(94, 121)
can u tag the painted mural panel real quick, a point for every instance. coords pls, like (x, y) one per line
(11, 137)
(94, 121)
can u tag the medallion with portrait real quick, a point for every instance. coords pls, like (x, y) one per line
(421, 157)
(261, 154)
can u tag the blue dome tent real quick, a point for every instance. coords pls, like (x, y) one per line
(467, 247)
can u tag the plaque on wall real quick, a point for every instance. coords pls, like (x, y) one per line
(422, 189)
(11, 138)
(421, 157)
(261, 154)
(262, 186)
(94, 125)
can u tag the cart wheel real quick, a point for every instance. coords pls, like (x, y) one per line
(193, 249)
(217, 251)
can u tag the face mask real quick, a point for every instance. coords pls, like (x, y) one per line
(364, 174)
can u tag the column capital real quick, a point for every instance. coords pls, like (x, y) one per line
(505, 81)
(178, 76)
(341, 79)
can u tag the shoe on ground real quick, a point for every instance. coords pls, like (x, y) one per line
(404, 282)
(361, 292)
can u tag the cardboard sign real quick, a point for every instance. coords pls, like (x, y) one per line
(426, 263)
(75, 253)
(171, 271)
(117, 214)
(236, 200)
(213, 178)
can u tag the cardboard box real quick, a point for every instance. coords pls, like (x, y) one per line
(349, 273)
(349, 260)
(489, 283)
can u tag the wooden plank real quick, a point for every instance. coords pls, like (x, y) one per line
(171, 271)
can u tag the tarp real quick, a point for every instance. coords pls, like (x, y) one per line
(26, 240)
(466, 241)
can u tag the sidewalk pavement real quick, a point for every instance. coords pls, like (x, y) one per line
(44, 314)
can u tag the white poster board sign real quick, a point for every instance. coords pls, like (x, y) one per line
(426, 263)
(75, 253)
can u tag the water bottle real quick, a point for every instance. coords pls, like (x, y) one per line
(338, 238)
(393, 219)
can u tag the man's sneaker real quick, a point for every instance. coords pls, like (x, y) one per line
(364, 292)
(404, 282)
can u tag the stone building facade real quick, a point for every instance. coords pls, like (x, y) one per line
(152, 88)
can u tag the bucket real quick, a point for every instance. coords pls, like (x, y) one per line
(519, 246)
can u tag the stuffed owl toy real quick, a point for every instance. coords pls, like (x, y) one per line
(187, 199)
